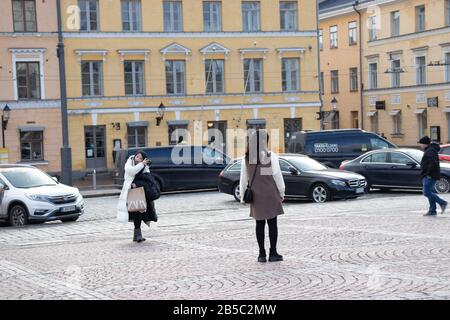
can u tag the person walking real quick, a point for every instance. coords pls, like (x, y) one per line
(260, 171)
(430, 174)
(137, 174)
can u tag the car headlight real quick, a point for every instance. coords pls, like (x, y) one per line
(37, 197)
(339, 183)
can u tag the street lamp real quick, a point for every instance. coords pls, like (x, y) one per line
(160, 114)
(334, 104)
(5, 119)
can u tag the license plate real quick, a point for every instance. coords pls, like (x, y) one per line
(68, 209)
(360, 190)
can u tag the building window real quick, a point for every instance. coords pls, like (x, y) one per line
(288, 15)
(397, 123)
(253, 75)
(334, 81)
(250, 16)
(355, 119)
(353, 79)
(395, 23)
(447, 67)
(214, 75)
(256, 124)
(88, 15)
(290, 74)
(420, 18)
(395, 75)
(176, 132)
(131, 15)
(321, 39)
(134, 77)
(137, 137)
(352, 37)
(322, 84)
(423, 126)
(373, 75)
(175, 76)
(372, 28)
(335, 120)
(173, 16)
(31, 145)
(421, 70)
(447, 12)
(333, 37)
(24, 15)
(374, 123)
(291, 126)
(91, 78)
(212, 16)
(28, 80)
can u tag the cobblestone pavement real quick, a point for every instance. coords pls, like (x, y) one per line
(375, 247)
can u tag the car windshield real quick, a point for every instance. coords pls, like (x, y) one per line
(415, 154)
(28, 178)
(307, 164)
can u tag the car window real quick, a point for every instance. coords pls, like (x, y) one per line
(236, 166)
(379, 157)
(284, 165)
(446, 151)
(378, 143)
(399, 158)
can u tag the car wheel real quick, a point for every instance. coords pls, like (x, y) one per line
(237, 192)
(69, 219)
(320, 193)
(18, 216)
(443, 185)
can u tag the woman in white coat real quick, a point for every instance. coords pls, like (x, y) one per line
(135, 166)
(260, 170)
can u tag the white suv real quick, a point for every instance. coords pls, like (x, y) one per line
(28, 194)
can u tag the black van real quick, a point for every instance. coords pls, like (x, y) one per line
(331, 147)
(179, 167)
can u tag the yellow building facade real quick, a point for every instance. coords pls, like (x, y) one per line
(405, 51)
(213, 64)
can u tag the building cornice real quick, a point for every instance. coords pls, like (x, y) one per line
(29, 34)
(409, 36)
(347, 8)
(32, 104)
(185, 35)
(408, 89)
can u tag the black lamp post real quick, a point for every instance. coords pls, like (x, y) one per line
(5, 119)
(160, 114)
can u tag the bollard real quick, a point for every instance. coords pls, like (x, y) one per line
(94, 179)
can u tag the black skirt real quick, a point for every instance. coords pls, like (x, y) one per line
(141, 181)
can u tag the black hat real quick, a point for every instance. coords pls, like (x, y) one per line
(425, 140)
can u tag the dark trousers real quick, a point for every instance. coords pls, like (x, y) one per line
(429, 191)
(273, 234)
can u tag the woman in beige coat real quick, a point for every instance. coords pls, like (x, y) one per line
(268, 188)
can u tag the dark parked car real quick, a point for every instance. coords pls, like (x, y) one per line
(304, 178)
(179, 167)
(395, 169)
(444, 153)
(331, 147)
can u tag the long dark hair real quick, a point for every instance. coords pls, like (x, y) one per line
(142, 153)
(257, 140)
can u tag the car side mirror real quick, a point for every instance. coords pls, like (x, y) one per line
(55, 178)
(411, 164)
(293, 171)
(2, 187)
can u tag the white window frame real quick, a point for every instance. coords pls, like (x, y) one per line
(174, 77)
(352, 33)
(249, 15)
(35, 55)
(419, 68)
(395, 24)
(132, 131)
(249, 82)
(334, 36)
(290, 68)
(373, 82)
(397, 123)
(353, 76)
(422, 124)
(213, 76)
(372, 28)
(447, 12)
(173, 17)
(334, 85)
(134, 80)
(420, 23)
(321, 39)
(89, 14)
(91, 78)
(132, 18)
(215, 16)
(289, 16)
(396, 75)
(447, 67)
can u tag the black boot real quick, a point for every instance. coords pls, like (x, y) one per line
(154, 217)
(274, 256)
(262, 256)
(135, 235)
(139, 237)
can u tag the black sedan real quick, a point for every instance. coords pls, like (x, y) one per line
(304, 178)
(395, 169)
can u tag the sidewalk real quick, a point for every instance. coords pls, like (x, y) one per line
(105, 186)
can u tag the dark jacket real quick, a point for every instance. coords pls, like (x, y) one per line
(430, 162)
